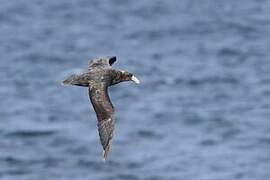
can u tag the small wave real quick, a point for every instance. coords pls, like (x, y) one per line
(28, 162)
(127, 176)
(208, 80)
(31, 133)
(90, 164)
(208, 142)
(148, 134)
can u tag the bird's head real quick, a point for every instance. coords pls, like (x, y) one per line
(121, 76)
(127, 76)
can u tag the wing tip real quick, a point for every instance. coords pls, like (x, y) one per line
(106, 152)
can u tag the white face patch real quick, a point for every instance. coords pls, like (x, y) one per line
(136, 80)
(123, 71)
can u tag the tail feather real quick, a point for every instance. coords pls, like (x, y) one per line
(70, 80)
(75, 80)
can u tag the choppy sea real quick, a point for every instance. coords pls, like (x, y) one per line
(201, 112)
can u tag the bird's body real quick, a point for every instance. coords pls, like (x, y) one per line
(98, 78)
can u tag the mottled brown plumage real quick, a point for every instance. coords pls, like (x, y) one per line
(98, 78)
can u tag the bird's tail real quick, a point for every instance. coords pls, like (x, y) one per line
(75, 80)
(106, 152)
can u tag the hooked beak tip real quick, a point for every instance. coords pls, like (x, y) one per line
(136, 80)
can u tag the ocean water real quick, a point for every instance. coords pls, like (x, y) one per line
(201, 112)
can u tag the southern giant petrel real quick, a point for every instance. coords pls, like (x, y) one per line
(98, 78)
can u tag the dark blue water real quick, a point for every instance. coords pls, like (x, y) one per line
(201, 112)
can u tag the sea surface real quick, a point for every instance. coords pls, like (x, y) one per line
(201, 112)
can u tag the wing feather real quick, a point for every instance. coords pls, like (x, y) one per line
(102, 62)
(98, 93)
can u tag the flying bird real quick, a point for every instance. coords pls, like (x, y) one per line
(99, 76)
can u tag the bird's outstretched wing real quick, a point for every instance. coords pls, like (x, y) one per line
(98, 93)
(102, 62)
